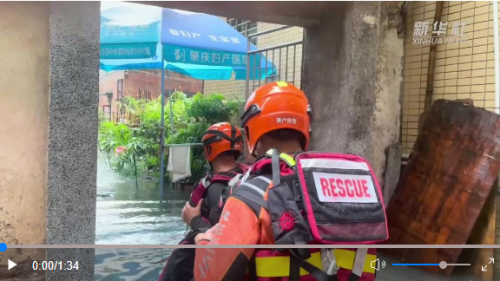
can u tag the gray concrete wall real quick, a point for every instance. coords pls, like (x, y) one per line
(24, 102)
(24, 109)
(72, 154)
(352, 76)
(48, 51)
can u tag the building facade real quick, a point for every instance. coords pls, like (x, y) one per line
(140, 84)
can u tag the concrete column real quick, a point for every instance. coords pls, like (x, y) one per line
(72, 149)
(352, 75)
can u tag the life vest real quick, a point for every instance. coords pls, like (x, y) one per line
(317, 198)
(180, 264)
(225, 178)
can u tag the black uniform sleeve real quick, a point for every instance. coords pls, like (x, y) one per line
(200, 224)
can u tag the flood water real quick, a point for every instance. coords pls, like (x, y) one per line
(127, 217)
(129, 264)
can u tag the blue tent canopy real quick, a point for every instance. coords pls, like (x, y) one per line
(130, 31)
(198, 45)
(202, 72)
(192, 30)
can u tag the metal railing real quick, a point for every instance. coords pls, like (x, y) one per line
(245, 27)
(285, 61)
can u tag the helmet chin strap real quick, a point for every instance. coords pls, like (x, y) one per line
(254, 152)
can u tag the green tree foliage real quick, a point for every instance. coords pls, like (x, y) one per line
(141, 138)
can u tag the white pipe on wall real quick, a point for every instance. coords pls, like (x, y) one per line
(497, 57)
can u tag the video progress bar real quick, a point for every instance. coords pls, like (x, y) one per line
(442, 264)
(254, 246)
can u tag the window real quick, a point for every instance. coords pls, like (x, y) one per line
(119, 89)
(244, 27)
(144, 94)
(107, 111)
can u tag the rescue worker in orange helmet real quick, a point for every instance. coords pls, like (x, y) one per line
(291, 196)
(222, 144)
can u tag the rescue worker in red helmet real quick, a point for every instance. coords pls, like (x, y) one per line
(289, 197)
(223, 144)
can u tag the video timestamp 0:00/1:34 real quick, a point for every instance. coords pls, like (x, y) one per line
(55, 265)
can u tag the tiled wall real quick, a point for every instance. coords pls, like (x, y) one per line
(463, 70)
(497, 238)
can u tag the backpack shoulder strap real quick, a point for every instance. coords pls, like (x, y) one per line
(297, 261)
(228, 189)
(252, 191)
(275, 165)
(276, 157)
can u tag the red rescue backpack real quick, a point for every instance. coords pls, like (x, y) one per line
(317, 198)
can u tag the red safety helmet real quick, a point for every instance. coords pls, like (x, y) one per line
(222, 137)
(275, 106)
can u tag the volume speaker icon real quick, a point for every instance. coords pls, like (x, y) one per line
(376, 264)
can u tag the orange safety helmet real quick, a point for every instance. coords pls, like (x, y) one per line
(222, 137)
(274, 106)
